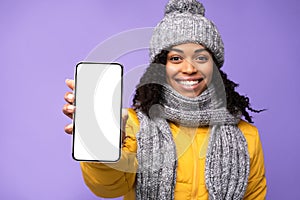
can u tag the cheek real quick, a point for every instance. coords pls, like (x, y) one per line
(207, 71)
(170, 71)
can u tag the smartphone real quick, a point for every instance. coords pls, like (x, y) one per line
(98, 113)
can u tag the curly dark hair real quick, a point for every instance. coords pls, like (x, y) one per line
(149, 90)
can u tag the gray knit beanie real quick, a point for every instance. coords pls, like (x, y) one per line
(184, 22)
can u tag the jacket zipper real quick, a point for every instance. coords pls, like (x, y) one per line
(196, 170)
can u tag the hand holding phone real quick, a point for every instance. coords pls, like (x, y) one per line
(69, 108)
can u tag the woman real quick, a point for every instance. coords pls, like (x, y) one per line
(184, 135)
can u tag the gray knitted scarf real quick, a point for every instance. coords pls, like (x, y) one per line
(227, 159)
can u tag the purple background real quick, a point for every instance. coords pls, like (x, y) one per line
(41, 42)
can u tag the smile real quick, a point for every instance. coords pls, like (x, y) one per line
(189, 83)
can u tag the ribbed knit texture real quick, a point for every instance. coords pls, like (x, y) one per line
(184, 22)
(227, 159)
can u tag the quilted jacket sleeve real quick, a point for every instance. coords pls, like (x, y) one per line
(117, 179)
(257, 185)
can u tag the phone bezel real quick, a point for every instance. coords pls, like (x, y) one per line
(74, 115)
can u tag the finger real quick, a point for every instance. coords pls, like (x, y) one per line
(68, 110)
(124, 113)
(69, 128)
(124, 120)
(70, 83)
(69, 97)
(123, 136)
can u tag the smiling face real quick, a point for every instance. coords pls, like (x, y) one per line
(189, 69)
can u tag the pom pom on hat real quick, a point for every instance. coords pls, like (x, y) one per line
(181, 6)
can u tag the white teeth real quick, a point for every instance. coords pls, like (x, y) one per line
(188, 83)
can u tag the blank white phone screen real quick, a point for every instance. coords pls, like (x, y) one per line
(97, 118)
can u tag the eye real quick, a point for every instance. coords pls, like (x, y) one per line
(201, 58)
(175, 59)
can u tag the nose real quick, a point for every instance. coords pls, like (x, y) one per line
(188, 67)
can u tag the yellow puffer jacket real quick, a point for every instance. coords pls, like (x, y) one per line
(118, 179)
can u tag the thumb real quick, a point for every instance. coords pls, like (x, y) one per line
(124, 120)
(70, 83)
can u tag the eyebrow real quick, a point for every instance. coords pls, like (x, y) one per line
(180, 51)
(200, 50)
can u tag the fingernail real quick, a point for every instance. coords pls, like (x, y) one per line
(70, 108)
(70, 96)
(67, 80)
